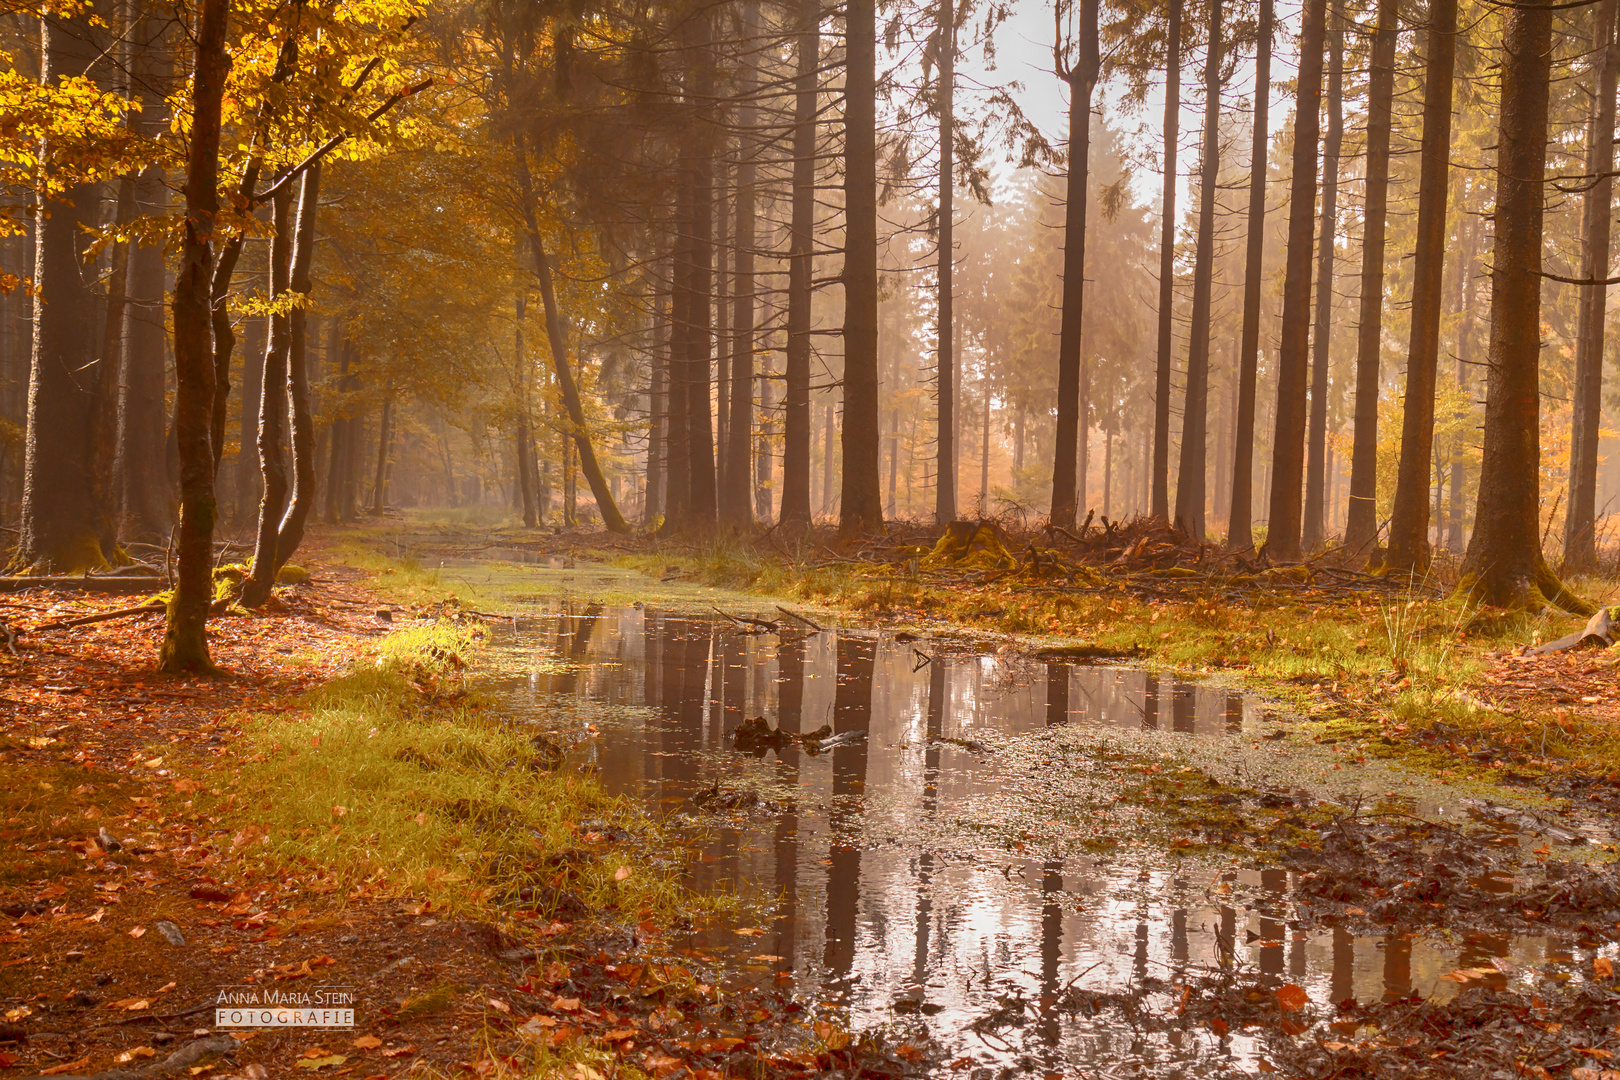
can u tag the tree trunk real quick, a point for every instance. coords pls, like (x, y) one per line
(1361, 523)
(1081, 75)
(1240, 526)
(105, 455)
(1409, 549)
(557, 338)
(658, 414)
(860, 504)
(385, 436)
(273, 413)
(1580, 547)
(1167, 265)
(1504, 565)
(521, 448)
(338, 468)
(1465, 356)
(1190, 476)
(828, 459)
(796, 417)
(61, 523)
(185, 638)
(145, 497)
(1288, 445)
(1322, 345)
(290, 533)
(945, 359)
(736, 495)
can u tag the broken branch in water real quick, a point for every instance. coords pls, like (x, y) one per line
(752, 625)
(811, 623)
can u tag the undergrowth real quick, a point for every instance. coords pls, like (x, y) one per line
(394, 779)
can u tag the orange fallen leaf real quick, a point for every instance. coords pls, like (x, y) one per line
(367, 1042)
(621, 873)
(66, 1067)
(399, 1052)
(1603, 967)
(137, 931)
(566, 1004)
(1292, 997)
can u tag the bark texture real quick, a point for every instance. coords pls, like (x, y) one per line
(1314, 526)
(1288, 445)
(1504, 565)
(185, 639)
(1193, 469)
(1409, 548)
(1361, 521)
(1240, 527)
(861, 501)
(1580, 539)
(1081, 75)
(1160, 507)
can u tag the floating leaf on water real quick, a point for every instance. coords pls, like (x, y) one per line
(1292, 997)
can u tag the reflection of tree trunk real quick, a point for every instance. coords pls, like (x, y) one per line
(1322, 340)
(1397, 966)
(1051, 948)
(1167, 264)
(1239, 532)
(1409, 549)
(1361, 524)
(1194, 466)
(852, 711)
(1286, 471)
(1150, 702)
(1580, 546)
(1057, 695)
(1504, 565)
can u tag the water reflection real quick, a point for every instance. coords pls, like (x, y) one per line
(880, 915)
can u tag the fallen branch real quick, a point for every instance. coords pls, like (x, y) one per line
(811, 623)
(105, 616)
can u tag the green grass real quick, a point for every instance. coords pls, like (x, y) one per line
(396, 778)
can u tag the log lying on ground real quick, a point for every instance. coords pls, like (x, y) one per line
(1599, 630)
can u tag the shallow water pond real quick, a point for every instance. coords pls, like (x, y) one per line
(962, 857)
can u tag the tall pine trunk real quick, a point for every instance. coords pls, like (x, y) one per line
(1240, 526)
(796, 417)
(61, 521)
(945, 508)
(1190, 476)
(1322, 343)
(1580, 546)
(1288, 444)
(736, 493)
(1080, 72)
(1361, 522)
(1409, 549)
(185, 638)
(1167, 265)
(860, 500)
(1504, 565)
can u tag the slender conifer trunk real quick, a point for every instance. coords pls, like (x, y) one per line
(1167, 264)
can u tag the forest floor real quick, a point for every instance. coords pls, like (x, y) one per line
(335, 815)
(340, 811)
